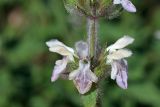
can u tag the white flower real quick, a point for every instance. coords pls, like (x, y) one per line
(116, 56)
(65, 51)
(126, 4)
(83, 77)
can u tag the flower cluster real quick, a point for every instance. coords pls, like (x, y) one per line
(83, 76)
(86, 67)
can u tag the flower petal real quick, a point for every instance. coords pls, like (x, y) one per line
(82, 49)
(83, 85)
(121, 79)
(122, 75)
(93, 77)
(83, 77)
(73, 74)
(114, 70)
(58, 47)
(127, 5)
(119, 54)
(120, 43)
(59, 68)
(117, 2)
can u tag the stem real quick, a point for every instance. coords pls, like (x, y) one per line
(98, 100)
(92, 99)
(92, 36)
(92, 31)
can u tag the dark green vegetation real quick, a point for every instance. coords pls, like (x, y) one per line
(26, 64)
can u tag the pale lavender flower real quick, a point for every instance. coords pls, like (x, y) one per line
(116, 59)
(83, 77)
(126, 4)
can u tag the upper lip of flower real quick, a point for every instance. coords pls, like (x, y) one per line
(121, 43)
(116, 50)
(82, 50)
(58, 47)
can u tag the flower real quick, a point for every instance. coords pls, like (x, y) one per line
(126, 4)
(118, 63)
(83, 77)
(66, 52)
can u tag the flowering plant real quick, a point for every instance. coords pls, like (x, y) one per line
(88, 63)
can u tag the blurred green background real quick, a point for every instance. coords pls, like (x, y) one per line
(26, 64)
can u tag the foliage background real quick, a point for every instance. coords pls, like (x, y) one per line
(26, 64)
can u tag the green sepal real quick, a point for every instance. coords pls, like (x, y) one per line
(73, 10)
(75, 7)
(113, 11)
(102, 69)
(71, 66)
(70, 6)
(103, 5)
(85, 6)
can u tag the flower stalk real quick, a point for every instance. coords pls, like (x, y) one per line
(92, 33)
(92, 99)
(92, 36)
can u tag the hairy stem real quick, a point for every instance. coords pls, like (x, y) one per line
(92, 36)
(92, 99)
